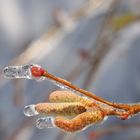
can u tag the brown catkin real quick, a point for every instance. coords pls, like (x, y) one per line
(63, 109)
(63, 96)
(79, 122)
(68, 96)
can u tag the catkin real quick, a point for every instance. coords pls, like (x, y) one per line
(63, 109)
(67, 96)
(80, 121)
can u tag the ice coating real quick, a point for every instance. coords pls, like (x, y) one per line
(30, 110)
(25, 71)
(45, 122)
(58, 84)
(61, 86)
(13, 72)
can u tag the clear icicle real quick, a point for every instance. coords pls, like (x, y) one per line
(30, 110)
(45, 122)
(13, 72)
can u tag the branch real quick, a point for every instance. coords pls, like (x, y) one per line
(88, 111)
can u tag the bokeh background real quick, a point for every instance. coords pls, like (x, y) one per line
(95, 44)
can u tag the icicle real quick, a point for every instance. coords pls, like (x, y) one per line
(13, 72)
(30, 110)
(45, 122)
(31, 71)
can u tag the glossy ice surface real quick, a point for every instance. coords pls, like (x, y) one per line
(45, 122)
(30, 110)
(12, 72)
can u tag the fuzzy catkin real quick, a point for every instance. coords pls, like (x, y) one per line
(63, 109)
(68, 96)
(80, 121)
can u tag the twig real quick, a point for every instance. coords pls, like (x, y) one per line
(130, 109)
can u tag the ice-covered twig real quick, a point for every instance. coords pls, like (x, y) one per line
(54, 35)
(12, 72)
(37, 72)
(25, 71)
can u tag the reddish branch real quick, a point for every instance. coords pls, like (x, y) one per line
(124, 111)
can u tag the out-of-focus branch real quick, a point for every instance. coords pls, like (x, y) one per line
(102, 44)
(18, 97)
(55, 34)
(97, 52)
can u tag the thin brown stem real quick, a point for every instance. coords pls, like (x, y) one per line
(84, 92)
(126, 109)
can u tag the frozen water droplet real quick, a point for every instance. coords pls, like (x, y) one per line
(45, 122)
(12, 72)
(105, 118)
(30, 110)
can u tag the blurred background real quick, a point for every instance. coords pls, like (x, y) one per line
(95, 44)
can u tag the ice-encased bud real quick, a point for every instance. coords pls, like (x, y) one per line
(13, 72)
(45, 122)
(30, 110)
